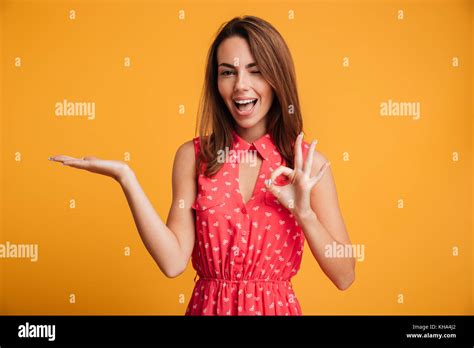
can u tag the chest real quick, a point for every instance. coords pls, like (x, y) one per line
(248, 175)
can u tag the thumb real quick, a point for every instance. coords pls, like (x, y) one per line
(271, 187)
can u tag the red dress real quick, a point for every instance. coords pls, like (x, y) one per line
(244, 254)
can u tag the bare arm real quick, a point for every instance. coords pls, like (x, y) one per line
(169, 244)
(324, 225)
(316, 208)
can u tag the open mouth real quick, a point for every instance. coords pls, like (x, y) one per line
(245, 105)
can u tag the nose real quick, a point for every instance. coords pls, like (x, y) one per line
(242, 82)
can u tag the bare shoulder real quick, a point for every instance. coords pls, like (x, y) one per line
(318, 158)
(318, 161)
(184, 167)
(185, 153)
(326, 197)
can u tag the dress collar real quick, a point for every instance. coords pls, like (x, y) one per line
(264, 145)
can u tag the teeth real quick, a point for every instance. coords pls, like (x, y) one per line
(244, 101)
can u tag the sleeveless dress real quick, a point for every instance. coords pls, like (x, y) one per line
(244, 254)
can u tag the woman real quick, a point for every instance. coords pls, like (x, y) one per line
(242, 222)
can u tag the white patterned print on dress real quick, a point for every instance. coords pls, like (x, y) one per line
(245, 254)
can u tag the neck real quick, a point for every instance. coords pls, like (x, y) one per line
(253, 133)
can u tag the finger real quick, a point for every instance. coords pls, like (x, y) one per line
(309, 158)
(77, 163)
(269, 183)
(298, 153)
(272, 188)
(279, 171)
(314, 180)
(275, 190)
(61, 158)
(89, 158)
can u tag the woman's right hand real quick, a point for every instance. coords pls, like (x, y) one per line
(114, 169)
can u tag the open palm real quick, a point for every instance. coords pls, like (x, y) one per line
(111, 168)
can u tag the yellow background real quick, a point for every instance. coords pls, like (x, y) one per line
(81, 251)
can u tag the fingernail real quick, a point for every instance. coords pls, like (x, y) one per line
(50, 158)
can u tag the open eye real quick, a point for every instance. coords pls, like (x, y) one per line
(226, 72)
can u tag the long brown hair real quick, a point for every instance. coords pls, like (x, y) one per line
(273, 58)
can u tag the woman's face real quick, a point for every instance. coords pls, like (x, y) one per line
(240, 83)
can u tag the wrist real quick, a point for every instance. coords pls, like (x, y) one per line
(306, 216)
(125, 174)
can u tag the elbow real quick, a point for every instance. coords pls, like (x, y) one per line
(173, 272)
(172, 266)
(345, 282)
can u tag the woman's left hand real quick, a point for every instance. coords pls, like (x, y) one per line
(296, 195)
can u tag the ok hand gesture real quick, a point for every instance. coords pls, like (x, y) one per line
(295, 196)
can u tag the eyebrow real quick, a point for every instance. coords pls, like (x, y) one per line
(233, 67)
